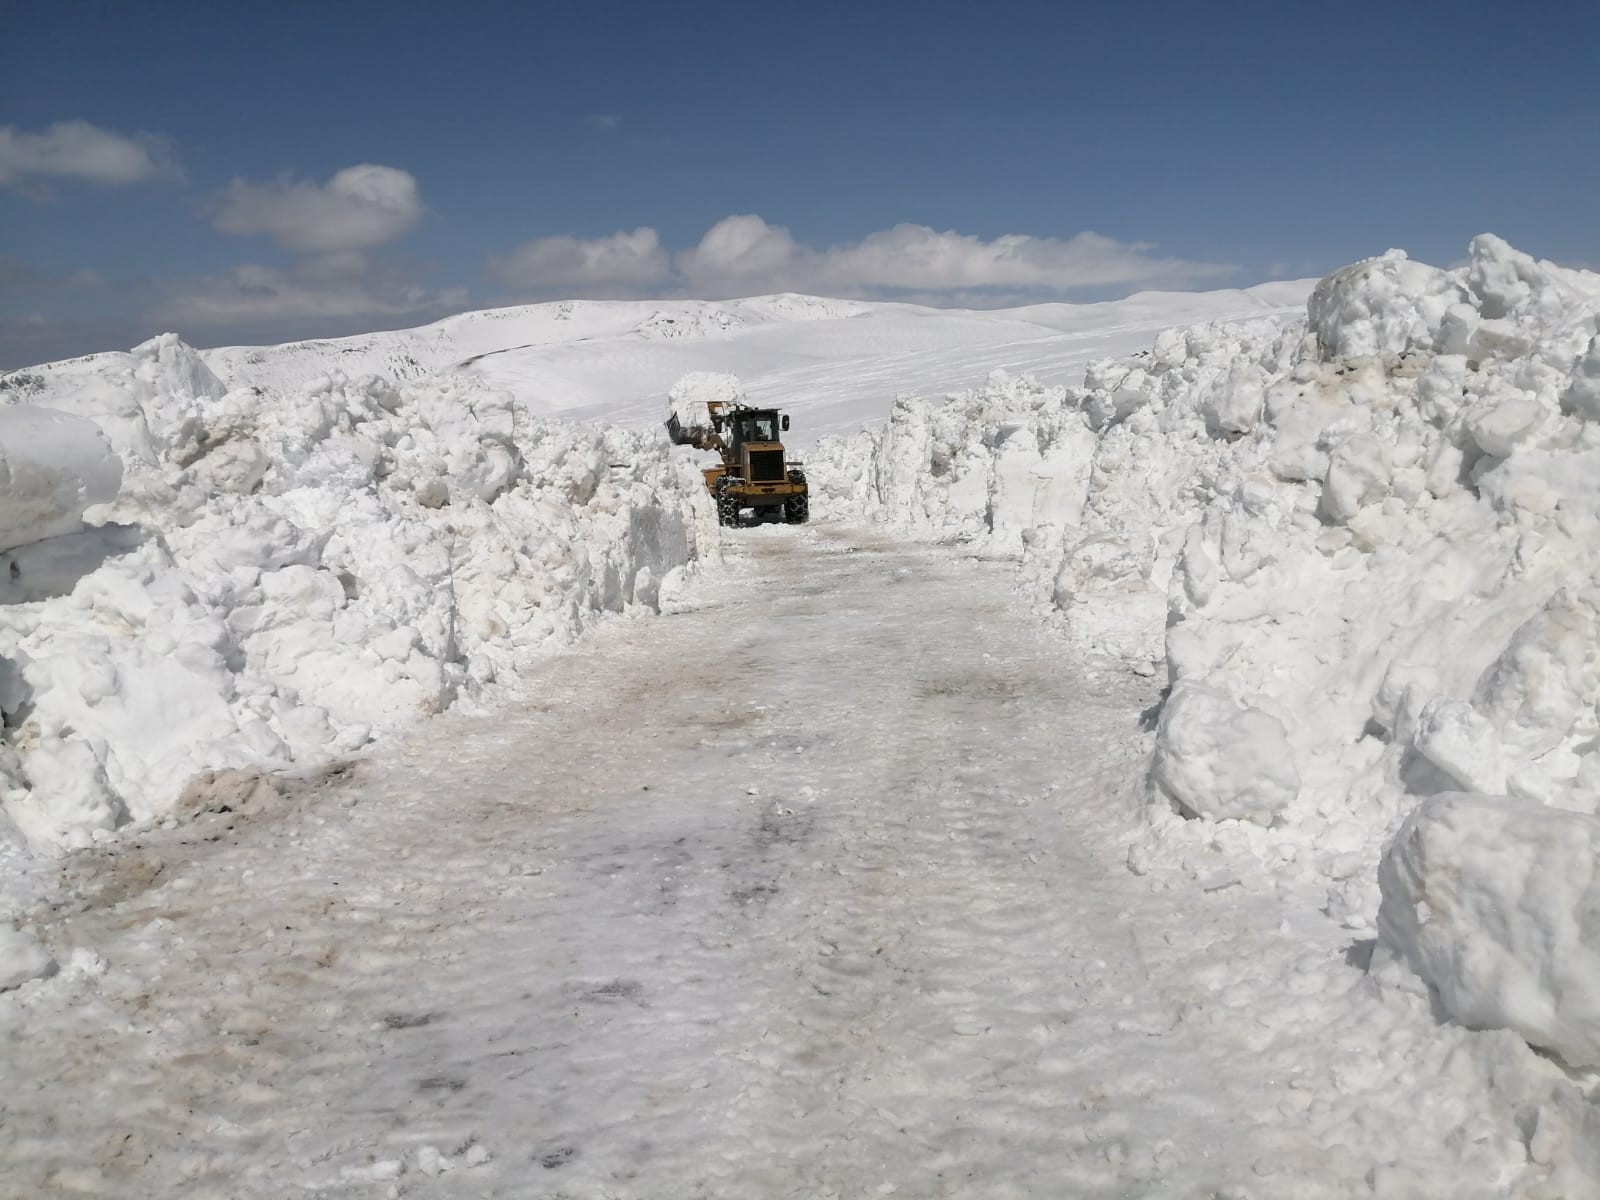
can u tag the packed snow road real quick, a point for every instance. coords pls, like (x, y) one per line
(812, 888)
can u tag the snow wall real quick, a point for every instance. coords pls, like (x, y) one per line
(52, 467)
(281, 577)
(1366, 548)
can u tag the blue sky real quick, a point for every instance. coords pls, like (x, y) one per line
(187, 166)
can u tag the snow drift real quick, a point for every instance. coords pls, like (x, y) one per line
(1363, 544)
(52, 467)
(1494, 902)
(275, 577)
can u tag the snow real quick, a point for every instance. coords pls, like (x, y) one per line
(652, 932)
(1362, 545)
(22, 957)
(1219, 759)
(689, 401)
(1079, 932)
(1496, 903)
(1344, 529)
(832, 364)
(52, 467)
(314, 544)
(1383, 306)
(284, 577)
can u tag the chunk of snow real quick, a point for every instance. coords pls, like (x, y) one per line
(1582, 394)
(1358, 474)
(1461, 742)
(1234, 405)
(22, 958)
(1383, 306)
(689, 400)
(1218, 758)
(1500, 427)
(1496, 904)
(52, 466)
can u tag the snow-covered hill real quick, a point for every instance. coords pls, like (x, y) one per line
(835, 364)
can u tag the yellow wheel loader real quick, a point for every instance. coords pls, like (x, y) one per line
(754, 473)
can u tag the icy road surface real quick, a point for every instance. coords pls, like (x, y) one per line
(811, 889)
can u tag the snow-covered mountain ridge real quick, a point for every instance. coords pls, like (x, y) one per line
(833, 363)
(1363, 545)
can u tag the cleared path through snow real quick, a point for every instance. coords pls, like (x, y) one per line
(811, 889)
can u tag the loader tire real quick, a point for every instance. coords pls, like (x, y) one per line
(797, 509)
(727, 508)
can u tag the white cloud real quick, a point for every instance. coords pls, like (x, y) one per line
(744, 254)
(604, 121)
(79, 150)
(358, 207)
(342, 284)
(746, 248)
(622, 260)
(914, 256)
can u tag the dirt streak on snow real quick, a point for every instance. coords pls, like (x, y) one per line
(781, 895)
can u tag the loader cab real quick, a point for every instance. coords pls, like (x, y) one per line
(758, 425)
(755, 451)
